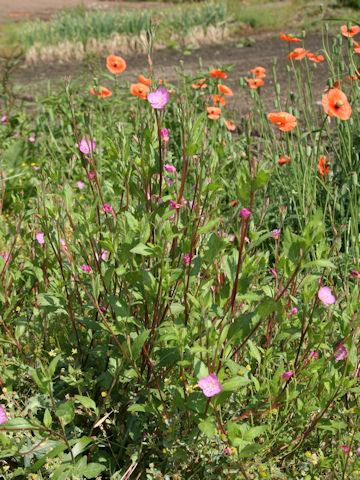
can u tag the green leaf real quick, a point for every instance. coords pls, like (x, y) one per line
(139, 341)
(92, 470)
(261, 179)
(232, 384)
(142, 249)
(80, 446)
(16, 424)
(51, 303)
(266, 307)
(66, 411)
(207, 427)
(254, 432)
(87, 402)
(47, 418)
(53, 364)
(235, 434)
(254, 351)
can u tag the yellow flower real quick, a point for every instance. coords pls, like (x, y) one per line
(18, 308)
(240, 372)
(103, 394)
(308, 454)
(24, 164)
(74, 351)
(248, 367)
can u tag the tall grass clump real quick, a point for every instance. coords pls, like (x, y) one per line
(72, 34)
(181, 288)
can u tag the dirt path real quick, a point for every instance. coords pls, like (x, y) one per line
(11, 10)
(260, 53)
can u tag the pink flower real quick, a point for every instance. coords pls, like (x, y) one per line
(81, 185)
(276, 233)
(355, 273)
(86, 268)
(165, 134)
(210, 385)
(287, 375)
(227, 451)
(188, 257)
(103, 255)
(168, 180)
(175, 205)
(36, 168)
(159, 98)
(345, 449)
(294, 311)
(273, 272)
(4, 119)
(325, 296)
(91, 175)
(244, 212)
(358, 451)
(341, 353)
(107, 208)
(86, 146)
(40, 238)
(32, 139)
(5, 255)
(3, 416)
(169, 168)
(313, 354)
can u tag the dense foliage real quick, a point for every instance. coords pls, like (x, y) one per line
(180, 292)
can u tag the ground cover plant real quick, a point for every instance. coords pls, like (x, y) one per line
(180, 287)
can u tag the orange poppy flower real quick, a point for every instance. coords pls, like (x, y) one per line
(314, 58)
(213, 112)
(337, 84)
(289, 38)
(230, 126)
(140, 90)
(282, 160)
(115, 64)
(284, 120)
(233, 203)
(225, 90)
(336, 104)
(298, 54)
(350, 33)
(101, 91)
(356, 47)
(200, 84)
(259, 72)
(217, 73)
(218, 99)
(144, 80)
(161, 81)
(323, 168)
(255, 82)
(353, 78)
